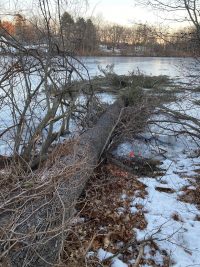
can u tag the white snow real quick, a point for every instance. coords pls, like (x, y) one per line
(178, 238)
(106, 98)
(156, 257)
(171, 223)
(102, 255)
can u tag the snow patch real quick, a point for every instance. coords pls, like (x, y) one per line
(102, 255)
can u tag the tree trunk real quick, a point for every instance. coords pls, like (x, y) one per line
(41, 225)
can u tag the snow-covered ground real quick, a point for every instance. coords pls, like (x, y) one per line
(179, 238)
(172, 223)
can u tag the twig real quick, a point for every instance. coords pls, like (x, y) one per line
(90, 244)
(141, 252)
(142, 244)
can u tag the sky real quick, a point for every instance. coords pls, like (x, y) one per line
(117, 11)
(127, 12)
(124, 12)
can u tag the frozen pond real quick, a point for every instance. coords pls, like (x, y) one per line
(173, 67)
(179, 68)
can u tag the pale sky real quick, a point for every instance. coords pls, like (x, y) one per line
(121, 11)
(126, 12)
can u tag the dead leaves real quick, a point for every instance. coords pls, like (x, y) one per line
(191, 195)
(115, 171)
(109, 222)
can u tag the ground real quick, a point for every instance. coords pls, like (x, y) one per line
(123, 211)
(141, 206)
(150, 218)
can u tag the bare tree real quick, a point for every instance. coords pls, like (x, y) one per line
(39, 94)
(185, 10)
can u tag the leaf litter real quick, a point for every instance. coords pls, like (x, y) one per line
(144, 220)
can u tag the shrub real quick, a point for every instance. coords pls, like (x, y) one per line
(132, 95)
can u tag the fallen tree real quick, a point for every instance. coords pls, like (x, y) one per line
(36, 210)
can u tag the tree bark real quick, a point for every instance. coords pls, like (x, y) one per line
(41, 227)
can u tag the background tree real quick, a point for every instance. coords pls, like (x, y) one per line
(115, 33)
(20, 25)
(90, 37)
(67, 29)
(37, 90)
(182, 11)
(7, 27)
(80, 29)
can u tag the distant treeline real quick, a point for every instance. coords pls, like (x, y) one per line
(85, 37)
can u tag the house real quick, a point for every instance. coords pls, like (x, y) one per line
(141, 50)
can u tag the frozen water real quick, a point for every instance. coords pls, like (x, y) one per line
(172, 67)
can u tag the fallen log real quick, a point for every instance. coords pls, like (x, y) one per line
(34, 219)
